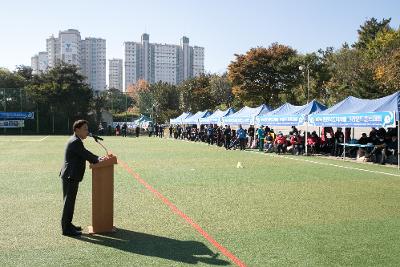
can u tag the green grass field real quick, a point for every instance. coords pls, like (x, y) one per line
(274, 212)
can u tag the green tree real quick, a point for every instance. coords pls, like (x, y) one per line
(10, 79)
(221, 90)
(369, 30)
(263, 75)
(62, 91)
(116, 101)
(24, 71)
(12, 95)
(319, 72)
(165, 103)
(368, 68)
(195, 94)
(384, 53)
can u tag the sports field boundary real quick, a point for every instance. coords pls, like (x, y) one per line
(197, 227)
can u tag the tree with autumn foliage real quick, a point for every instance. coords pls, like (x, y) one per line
(264, 75)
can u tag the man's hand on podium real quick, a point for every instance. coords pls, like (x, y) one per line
(104, 157)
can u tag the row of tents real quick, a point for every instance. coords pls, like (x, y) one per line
(351, 112)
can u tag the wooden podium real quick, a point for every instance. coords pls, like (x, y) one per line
(103, 196)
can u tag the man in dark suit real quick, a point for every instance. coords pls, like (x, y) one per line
(72, 173)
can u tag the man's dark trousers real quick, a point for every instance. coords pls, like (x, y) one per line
(70, 189)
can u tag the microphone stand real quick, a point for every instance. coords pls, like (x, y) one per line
(97, 141)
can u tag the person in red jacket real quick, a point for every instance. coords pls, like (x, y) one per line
(280, 143)
(313, 142)
(297, 142)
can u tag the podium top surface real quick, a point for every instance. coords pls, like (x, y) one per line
(110, 160)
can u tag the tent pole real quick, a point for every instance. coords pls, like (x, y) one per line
(344, 143)
(305, 139)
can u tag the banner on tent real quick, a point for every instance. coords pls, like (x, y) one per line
(214, 120)
(281, 120)
(12, 124)
(369, 119)
(239, 120)
(17, 115)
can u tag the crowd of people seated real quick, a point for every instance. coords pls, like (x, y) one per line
(378, 146)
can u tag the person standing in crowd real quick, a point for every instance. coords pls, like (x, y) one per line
(339, 139)
(124, 129)
(137, 130)
(219, 136)
(170, 131)
(156, 130)
(179, 129)
(210, 135)
(101, 129)
(150, 129)
(227, 136)
(117, 130)
(251, 132)
(71, 174)
(161, 131)
(241, 135)
(261, 137)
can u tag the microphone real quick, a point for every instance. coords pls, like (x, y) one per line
(95, 137)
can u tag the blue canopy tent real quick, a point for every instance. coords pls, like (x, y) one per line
(142, 121)
(178, 120)
(357, 112)
(289, 115)
(245, 116)
(195, 118)
(216, 117)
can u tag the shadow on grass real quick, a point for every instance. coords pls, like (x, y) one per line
(190, 252)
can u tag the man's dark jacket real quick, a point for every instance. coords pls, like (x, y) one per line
(75, 160)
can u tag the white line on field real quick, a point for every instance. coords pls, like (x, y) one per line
(315, 162)
(23, 140)
(330, 164)
(43, 138)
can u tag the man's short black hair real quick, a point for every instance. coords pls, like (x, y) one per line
(78, 124)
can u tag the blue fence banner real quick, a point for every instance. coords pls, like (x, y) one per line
(281, 120)
(369, 119)
(12, 124)
(17, 115)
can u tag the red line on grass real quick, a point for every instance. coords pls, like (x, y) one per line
(183, 215)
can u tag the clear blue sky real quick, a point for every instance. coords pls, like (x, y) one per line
(223, 27)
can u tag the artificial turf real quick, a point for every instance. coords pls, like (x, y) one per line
(274, 212)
